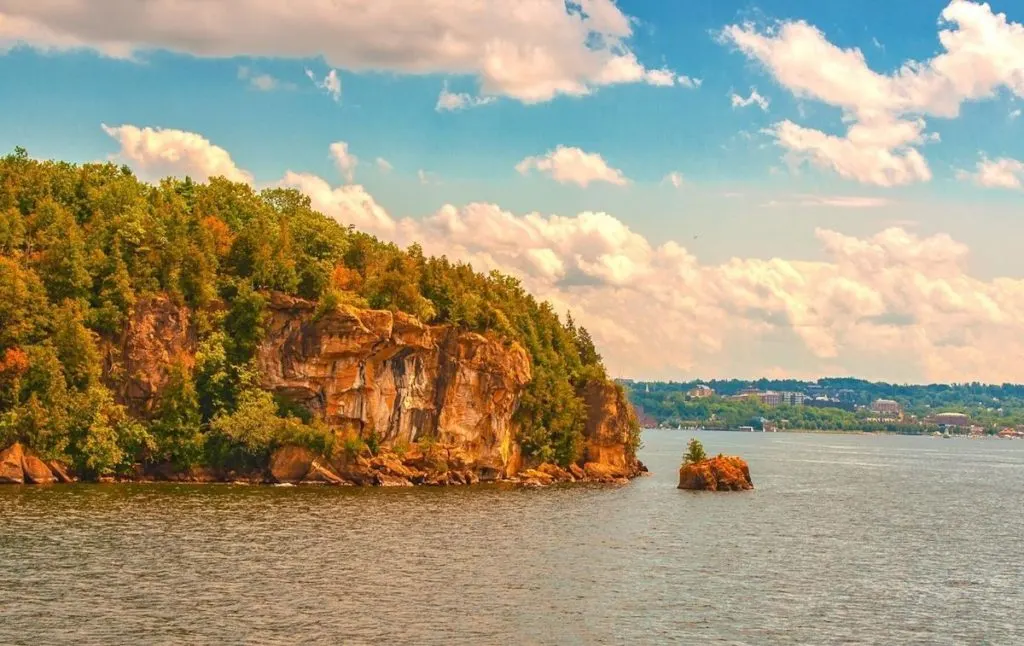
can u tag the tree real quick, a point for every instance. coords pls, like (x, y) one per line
(694, 452)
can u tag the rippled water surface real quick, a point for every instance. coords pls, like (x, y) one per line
(847, 539)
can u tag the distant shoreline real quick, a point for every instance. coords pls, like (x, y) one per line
(805, 431)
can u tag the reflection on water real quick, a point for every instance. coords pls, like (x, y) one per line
(847, 539)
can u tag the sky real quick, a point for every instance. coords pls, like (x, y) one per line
(782, 188)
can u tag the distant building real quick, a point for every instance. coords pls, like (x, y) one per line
(959, 420)
(701, 391)
(793, 399)
(846, 396)
(770, 398)
(886, 408)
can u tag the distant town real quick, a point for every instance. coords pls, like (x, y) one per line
(973, 410)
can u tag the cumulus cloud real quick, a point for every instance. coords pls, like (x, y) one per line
(344, 160)
(570, 165)
(384, 165)
(529, 50)
(350, 204)
(982, 53)
(755, 98)
(996, 173)
(158, 152)
(330, 84)
(884, 304)
(690, 82)
(449, 101)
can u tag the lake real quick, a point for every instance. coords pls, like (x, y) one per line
(847, 539)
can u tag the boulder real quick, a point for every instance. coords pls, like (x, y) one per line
(602, 472)
(577, 472)
(290, 464)
(534, 476)
(556, 472)
(60, 472)
(385, 480)
(36, 471)
(722, 473)
(322, 473)
(11, 471)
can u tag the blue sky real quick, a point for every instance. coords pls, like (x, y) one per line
(743, 198)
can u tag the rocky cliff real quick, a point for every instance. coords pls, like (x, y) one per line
(438, 401)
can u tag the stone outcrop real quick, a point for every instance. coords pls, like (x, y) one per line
(21, 466)
(383, 374)
(722, 473)
(158, 335)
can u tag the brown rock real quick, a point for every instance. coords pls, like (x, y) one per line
(601, 472)
(36, 471)
(11, 470)
(535, 476)
(577, 472)
(60, 472)
(322, 473)
(391, 465)
(722, 473)
(556, 472)
(290, 464)
(385, 480)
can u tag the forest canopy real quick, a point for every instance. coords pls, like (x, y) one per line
(80, 245)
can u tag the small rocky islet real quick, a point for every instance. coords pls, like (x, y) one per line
(720, 473)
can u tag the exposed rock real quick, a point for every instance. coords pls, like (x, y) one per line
(367, 371)
(290, 464)
(385, 480)
(11, 470)
(158, 334)
(60, 472)
(36, 471)
(577, 471)
(601, 472)
(609, 419)
(319, 472)
(722, 473)
(557, 473)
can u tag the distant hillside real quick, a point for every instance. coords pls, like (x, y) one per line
(842, 403)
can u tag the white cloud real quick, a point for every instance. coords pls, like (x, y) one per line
(530, 50)
(890, 304)
(449, 101)
(347, 204)
(569, 165)
(1014, 114)
(426, 177)
(982, 53)
(878, 153)
(755, 98)
(996, 173)
(690, 82)
(675, 178)
(344, 160)
(331, 84)
(157, 152)
(384, 165)
(261, 82)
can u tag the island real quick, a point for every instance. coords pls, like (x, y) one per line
(208, 332)
(720, 473)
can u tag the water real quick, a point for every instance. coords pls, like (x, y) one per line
(847, 539)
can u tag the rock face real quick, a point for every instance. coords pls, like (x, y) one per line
(11, 471)
(383, 374)
(609, 418)
(722, 473)
(158, 335)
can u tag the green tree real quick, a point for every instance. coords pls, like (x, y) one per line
(694, 452)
